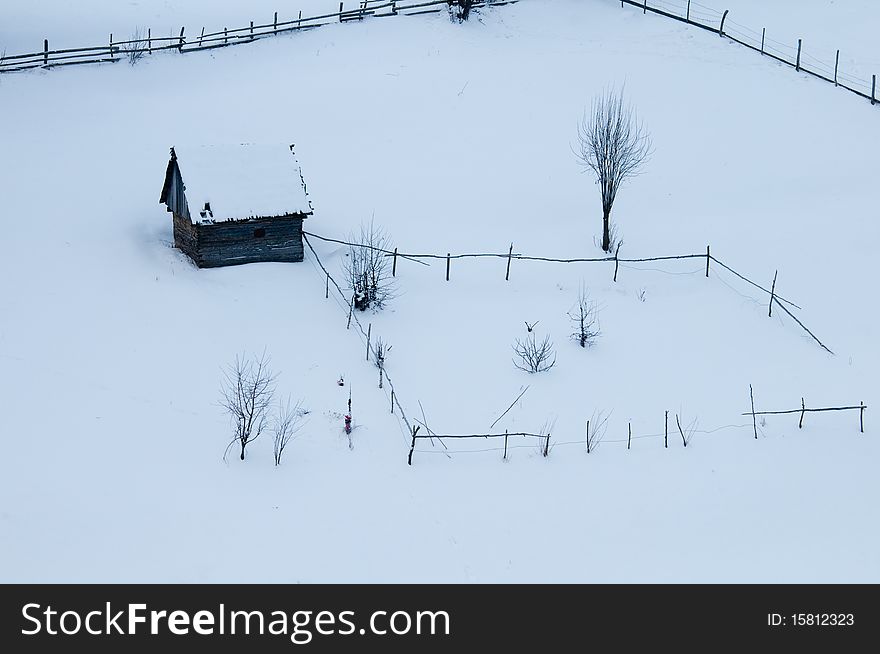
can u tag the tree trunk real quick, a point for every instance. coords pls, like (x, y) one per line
(606, 230)
(242, 451)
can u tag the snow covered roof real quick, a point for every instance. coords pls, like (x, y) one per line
(240, 181)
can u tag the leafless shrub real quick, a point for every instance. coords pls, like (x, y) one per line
(286, 426)
(382, 350)
(533, 356)
(585, 319)
(367, 269)
(460, 10)
(597, 425)
(246, 394)
(614, 145)
(543, 443)
(136, 49)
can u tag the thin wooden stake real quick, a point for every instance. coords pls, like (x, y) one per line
(412, 446)
(754, 419)
(723, 18)
(252, 30)
(394, 264)
(861, 417)
(299, 20)
(646, 7)
(392, 400)
(616, 261)
(680, 431)
(803, 411)
(180, 45)
(547, 446)
(688, 16)
(340, 12)
(763, 34)
(708, 257)
(350, 311)
(505, 445)
(666, 430)
(873, 89)
(275, 23)
(201, 36)
(111, 44)
(797, 64)
(327, 288)
(772, 294)
(630, 435)
(588, 436)
(836, 66)
(149, 41)
(45, 52)
(509, 257)
(447, 266)
(369, 329)
(225, 35)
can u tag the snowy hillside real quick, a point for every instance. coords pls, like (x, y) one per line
(454, 138)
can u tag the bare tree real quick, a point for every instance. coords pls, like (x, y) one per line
(614, 145)
(586, 320)
(597, 425)
(135, 49)
(367, 268)
(288, 422)
(246, 394)
(534, 356)
(382, 350)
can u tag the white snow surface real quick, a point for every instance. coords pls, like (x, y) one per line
(241, 180)
(453, 138)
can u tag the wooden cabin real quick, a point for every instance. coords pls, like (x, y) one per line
(235, 204)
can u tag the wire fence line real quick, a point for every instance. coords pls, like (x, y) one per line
(790, 54)
(774, 298)
(134, 48)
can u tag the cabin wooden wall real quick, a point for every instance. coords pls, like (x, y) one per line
(231, 243)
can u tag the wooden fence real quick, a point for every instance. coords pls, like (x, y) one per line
(790, 54)
(133, 48)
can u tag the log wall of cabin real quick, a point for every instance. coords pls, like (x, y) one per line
(235, 242)
(186, 237)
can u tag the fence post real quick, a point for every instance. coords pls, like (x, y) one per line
(629, 436)
(180, 45)
(369, 329)
(616, 261)
(645, 11)
(861, 417)
(723, 18)
(708, 257)
(447, 266)
(392, 400)
(772, 294)
(225, 35)
(505, 445)
(201, 36)
(327, 288)
(754, 418)
(45, 51)
(394, 264)
(763, 34)
(509, 257)
(803, 411)
(340, 12)
(275, 23)
(836, 66)
(299, 20)
(252, 30)
(350, 311)
(666, 430)
(797, 64)
(111, 45)
(547, 446)
(149, 41)
(873, 89)
(688, 17)
(588, 436)
(412, 446)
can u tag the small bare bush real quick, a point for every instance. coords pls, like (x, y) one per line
(246, 394)
(136, 49)
(287, 424)
(533, 356)
(368, 269)
(460, 10)
(382, 350)
(585, 319)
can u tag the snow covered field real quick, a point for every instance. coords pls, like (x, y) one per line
(456, 138)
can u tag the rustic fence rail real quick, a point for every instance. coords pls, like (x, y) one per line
(790, 54)
(594, 436)
(119, 50)
(510, 256)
